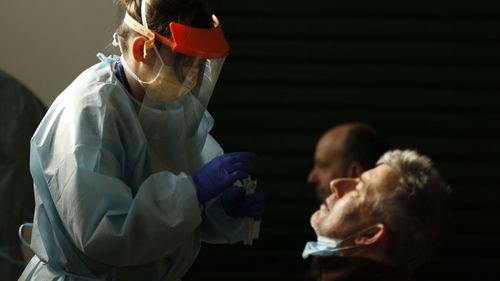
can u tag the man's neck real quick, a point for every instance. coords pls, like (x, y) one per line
(344, 268)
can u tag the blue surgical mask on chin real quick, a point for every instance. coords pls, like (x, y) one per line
(325, 247)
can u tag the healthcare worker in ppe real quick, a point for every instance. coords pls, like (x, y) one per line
(128, 181)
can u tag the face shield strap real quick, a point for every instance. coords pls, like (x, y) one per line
(139, 28)
(143, 14)
(207, 43)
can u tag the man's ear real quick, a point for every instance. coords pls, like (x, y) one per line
(355, 170)
(372, 235)
(138, 48)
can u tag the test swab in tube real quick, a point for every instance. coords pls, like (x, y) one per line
(249, 186)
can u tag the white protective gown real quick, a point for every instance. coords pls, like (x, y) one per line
(105, 208)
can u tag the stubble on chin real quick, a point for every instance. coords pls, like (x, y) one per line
(316, 221)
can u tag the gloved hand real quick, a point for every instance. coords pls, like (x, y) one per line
(237, 204)
(221, 172)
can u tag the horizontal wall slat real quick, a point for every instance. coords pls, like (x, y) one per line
(415, 122)
(357, 7)
(372, 96)
(380, 29)
(303, 144)
(329, 73)
(362, 50)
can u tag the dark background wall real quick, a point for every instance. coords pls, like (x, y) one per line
(425, 73)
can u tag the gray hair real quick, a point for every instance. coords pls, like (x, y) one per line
(417, 211)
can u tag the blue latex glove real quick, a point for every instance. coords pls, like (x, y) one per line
(237, 204)
(221, 172)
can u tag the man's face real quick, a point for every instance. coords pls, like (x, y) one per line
(348, 208)
(327, 166)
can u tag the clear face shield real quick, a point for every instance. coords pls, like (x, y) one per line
(176, 76)
(187, 63)
(177, 88)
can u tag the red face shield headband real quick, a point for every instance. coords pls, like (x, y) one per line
(207, 43)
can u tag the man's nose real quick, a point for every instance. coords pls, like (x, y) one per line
(312, 178)
(342, 185)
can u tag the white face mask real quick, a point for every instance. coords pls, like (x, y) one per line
(325, 246)
(165, 86)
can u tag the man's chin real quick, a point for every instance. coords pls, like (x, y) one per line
(316, 219)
